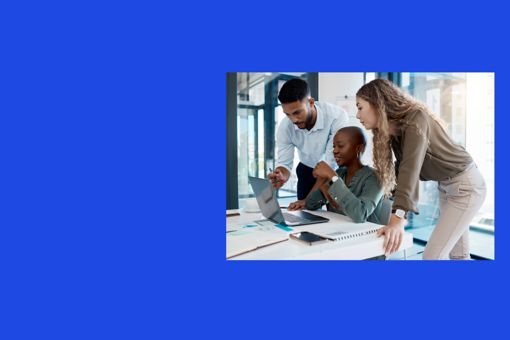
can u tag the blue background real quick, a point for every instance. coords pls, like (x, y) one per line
(113, 132)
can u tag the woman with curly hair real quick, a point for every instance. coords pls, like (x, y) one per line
(423, 150)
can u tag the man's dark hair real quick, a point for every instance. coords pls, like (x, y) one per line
(294, 90)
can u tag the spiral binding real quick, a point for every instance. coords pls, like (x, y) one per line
(354, 235)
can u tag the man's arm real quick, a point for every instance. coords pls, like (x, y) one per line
(285, 158)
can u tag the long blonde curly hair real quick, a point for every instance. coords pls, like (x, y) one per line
(392, 105)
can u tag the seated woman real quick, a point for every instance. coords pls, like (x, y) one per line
(354, 189)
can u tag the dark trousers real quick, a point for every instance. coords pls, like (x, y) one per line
(306, 181)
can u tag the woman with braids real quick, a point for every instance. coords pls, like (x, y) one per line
(423, 151)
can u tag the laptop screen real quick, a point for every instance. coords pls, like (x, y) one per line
(266, 199)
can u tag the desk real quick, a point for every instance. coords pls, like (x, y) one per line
(369, 246)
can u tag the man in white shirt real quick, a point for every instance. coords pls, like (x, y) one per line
(310, 128)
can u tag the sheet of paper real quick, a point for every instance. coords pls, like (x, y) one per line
(248, 238)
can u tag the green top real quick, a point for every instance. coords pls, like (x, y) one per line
(361, 200)
(424, 151)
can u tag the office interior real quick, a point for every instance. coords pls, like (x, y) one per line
(464, 101)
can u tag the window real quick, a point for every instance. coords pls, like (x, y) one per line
(465, 103)
(258, 116)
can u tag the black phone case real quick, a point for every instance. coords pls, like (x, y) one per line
(308, 237)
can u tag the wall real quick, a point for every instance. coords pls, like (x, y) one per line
(340, 88)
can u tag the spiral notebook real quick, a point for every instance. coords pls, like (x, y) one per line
(348, 232)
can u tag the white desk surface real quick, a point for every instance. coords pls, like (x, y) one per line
(370, 246)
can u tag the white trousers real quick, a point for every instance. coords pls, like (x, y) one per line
(460, 199)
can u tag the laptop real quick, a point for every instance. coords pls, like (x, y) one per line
(270, 208)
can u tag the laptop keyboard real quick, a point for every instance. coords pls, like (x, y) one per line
(292, 218)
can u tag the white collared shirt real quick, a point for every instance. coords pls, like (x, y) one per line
(314, 145)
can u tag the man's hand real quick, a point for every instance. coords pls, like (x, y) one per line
(277, 178)
(323, 170)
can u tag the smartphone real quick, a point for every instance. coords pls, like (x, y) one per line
(308, 238)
